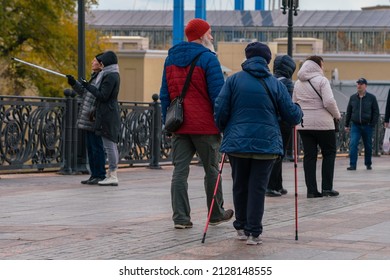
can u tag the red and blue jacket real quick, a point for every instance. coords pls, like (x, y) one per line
(206, 83)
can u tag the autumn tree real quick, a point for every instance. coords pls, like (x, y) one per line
(42, 32)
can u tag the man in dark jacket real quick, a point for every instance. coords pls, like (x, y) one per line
(387, 111)
(198, 132)
(362, 115)
(284, 67)
(248, 115)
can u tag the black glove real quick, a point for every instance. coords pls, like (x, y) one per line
(167, 134)
(84, 82)
(71, 80)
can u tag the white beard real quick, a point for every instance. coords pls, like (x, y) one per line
(208, 44)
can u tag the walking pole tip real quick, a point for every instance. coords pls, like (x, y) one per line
(204, 237)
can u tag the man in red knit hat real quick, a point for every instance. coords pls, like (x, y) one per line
(198, 133)
(199, 31)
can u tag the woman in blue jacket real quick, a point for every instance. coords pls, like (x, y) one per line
(248, 117)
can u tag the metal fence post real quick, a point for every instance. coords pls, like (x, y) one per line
(156, 134)
(79, 143)
(67, 167)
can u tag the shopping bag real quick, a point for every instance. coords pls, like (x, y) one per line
(386, 140)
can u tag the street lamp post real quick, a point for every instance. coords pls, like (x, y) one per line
(292, 7)
(81, 164)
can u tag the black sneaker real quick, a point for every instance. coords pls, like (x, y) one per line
(272, 193)
(351, 168)
(330, 193)
(283, 191)
(226, 217)
(314, 195)
(95, 181)
(369, 167)
(183, 225)
(84, 182)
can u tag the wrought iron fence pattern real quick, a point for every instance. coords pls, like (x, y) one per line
(31, 132)
(136, 135)
(39, 133)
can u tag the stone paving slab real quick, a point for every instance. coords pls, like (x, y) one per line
(51, 216)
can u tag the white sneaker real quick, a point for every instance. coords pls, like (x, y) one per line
(241, 235)
(253, 240)
(111, 180)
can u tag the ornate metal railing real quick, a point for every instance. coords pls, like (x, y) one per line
(31, 132)
(39, 133)
(142, 139)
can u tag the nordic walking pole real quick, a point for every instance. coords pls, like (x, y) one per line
(296, 180)
(39, 67)
(212, 201)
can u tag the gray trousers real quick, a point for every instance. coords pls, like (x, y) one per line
(184, 147)
(111, 149)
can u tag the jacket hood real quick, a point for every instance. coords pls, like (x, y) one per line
(309, 70)
(257, 67)
(284, 66)
(183, 53)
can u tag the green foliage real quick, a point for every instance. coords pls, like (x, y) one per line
(42, 32)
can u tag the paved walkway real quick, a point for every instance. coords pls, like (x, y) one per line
(51, 216)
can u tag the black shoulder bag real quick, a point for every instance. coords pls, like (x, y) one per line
(270, 96)
(174, 117)
(336, 121)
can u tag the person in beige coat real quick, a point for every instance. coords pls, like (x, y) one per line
(313, 93)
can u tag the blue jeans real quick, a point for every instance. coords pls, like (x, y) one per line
(365, 132)
(250, 180)
(96, 155)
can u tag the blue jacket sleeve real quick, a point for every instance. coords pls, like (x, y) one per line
(164, 97)
(214, 76)
(222, 106)
(289, 111)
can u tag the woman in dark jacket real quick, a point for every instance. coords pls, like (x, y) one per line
(248, 117)
(86, 122)
(107, 123)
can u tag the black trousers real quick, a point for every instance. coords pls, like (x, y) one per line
(250, 180)
(326, 140)
(276, 179)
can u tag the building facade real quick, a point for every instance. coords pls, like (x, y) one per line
(366, 31)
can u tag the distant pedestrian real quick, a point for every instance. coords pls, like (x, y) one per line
(313, 93)
(247, 111)
(284, 67)
(361, 118)
(198, 134)
(387, 111)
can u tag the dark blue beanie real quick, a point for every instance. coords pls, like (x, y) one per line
(258, 49)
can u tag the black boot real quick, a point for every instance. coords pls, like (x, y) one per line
(314, 195)
(84, 182)
(330, 193)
